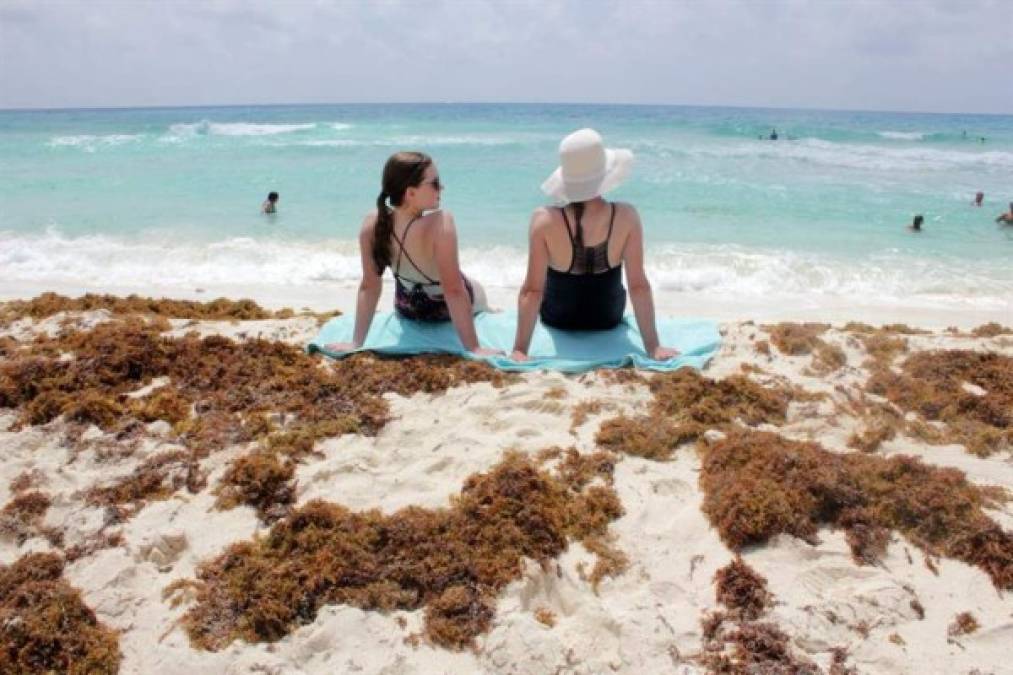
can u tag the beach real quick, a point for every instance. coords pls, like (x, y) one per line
(184, 489)
(641, 466)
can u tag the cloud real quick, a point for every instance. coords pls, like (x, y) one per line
(927, 55)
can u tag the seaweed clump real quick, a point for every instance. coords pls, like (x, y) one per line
(645, 437)
(216, 392)
(882, 348)
(756, 647)
(934, 385)
(963, 624)
(799, 339)
(758, 484)
(155, 478)
(46, 625)
(991, 329)
(260, 479)
(735, 642)
(872, 437)
(8, 346)
(22, 518)
(742, 590)
(885, 329)
(685, 405)
(452, 562)
(48, 304)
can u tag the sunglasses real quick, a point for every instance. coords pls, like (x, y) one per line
(437, 185)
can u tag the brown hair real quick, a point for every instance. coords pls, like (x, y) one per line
(402, 171)
(578, 235)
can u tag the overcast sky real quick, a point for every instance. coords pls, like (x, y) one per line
(927, 55)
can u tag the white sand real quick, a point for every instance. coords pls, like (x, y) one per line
(645, 621)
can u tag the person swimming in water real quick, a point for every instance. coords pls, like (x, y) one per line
(270, 204)
(574, 286)
(916, 224)
(1006, 218)
(979, 197)
(773, 134)
(410, 234)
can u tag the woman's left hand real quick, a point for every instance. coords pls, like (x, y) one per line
(485, 351)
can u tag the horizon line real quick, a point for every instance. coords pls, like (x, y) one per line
(480, 103)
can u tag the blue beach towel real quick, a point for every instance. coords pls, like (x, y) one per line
(551, 349)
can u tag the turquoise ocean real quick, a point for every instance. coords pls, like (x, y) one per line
(171, 196)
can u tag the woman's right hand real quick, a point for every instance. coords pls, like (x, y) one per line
(340, 347)
(664, 353)
(518, 355)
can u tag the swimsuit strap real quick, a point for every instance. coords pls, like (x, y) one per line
(400, 245)
(612, 220)
(573, 242)
(402, 250)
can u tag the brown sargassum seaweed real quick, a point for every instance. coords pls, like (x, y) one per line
(452, 561)
(685, 405)
(21, 518)
(991, 329)
(737, 643)
(46, 626)
(932, 384)
(219, 392)
(740, 588)
(220, 309)
(963, 624)
(797, 339)
(886, 329)
(759, 484)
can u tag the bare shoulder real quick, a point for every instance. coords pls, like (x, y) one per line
(626, 211)
(369, 222)
(440, 221)
(541, 219)
(627, 218)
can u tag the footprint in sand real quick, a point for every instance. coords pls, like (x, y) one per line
(818, 579)
(163, 549)
(670, 487)
(439, 465)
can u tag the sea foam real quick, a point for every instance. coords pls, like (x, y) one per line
(206, 128)
(859, 156)
(902, 135)
(90, 142)
(718, 270)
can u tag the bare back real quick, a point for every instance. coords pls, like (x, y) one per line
(594, 224)
(419, 247)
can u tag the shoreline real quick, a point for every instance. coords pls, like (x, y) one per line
(319, 298)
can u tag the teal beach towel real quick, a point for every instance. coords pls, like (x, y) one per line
(551, 349)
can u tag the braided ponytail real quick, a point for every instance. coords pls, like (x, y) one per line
(578, 236)
(381, 233)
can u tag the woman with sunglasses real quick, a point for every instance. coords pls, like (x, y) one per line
(571, 285)
(419, 243)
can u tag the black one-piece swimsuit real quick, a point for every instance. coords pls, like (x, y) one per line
(590, 294)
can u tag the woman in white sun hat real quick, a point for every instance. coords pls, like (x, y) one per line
(573, 285)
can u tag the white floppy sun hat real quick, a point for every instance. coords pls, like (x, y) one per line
(587, 168)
